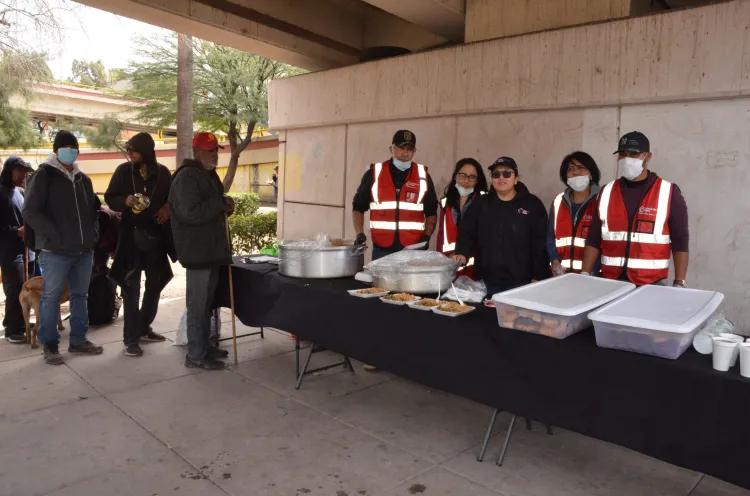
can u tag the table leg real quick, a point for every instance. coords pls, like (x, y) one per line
(487, 435)
(348, 364)
(549, 429)
(501, 456)
(262, 336)
(528, 424)
(296, 356)
(301, 375)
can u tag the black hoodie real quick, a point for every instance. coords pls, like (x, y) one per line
(508, 237)
(11, 204)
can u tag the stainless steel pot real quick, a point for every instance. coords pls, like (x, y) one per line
(417, 283)
(417, 272)
(303, 259)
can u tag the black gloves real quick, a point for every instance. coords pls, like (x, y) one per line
(360, 240)
(426, 240)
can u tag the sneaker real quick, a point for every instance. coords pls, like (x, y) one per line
(16, 338)
(216, 353)
(206, 363)
(85, 348)
(153, 337)
(133, 350)
(52, 355)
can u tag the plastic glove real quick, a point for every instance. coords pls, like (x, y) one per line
(426, 240)
(557, 269)
(360, 239)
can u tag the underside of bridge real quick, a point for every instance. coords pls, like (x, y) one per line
(325, 34)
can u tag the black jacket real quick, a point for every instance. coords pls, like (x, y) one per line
(196, 206)
(62, 209)
(507, 237)
(127, 180)
(11, 202)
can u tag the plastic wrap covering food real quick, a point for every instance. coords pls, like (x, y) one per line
(466, 289)
(409, 262)
(717, 324)
(316, 244)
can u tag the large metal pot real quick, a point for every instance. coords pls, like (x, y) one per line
(416, 272)
(308, 260)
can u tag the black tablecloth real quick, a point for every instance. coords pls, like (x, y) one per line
(680, 411)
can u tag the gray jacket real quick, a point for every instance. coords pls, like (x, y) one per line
(62, 209)
(196, 209)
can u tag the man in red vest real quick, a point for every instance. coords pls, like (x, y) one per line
(401, 198)
(641, 220)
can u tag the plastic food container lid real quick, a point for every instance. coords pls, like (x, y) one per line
(567, 295)
(661, 308)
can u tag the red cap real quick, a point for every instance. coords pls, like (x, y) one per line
(206, 141)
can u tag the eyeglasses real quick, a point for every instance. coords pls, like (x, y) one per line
(507, 174)
(129, 150)
(467, 177)
(575, 168)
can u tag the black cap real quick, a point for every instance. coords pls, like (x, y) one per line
(633, 142)
(64, 138)
(14, 162)
(505, 161)
(404, 137)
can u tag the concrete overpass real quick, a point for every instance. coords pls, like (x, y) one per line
(84, 105)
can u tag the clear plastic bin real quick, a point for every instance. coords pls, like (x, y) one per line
(556, 307)
(655, 320)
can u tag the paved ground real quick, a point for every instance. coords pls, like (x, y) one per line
(112, 425)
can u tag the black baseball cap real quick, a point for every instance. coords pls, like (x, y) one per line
(505, 161)
(633, 142)
(15, 162)
(404, 137)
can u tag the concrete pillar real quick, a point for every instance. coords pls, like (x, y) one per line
(487, 19)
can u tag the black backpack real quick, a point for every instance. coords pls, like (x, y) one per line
(104, 304)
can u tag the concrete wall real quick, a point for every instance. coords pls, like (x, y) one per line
(487, 19)
(536, 98)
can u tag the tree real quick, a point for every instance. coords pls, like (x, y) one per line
(18, 72)
(185, 66)
(23, 23)
(230, 89)
(89, 73)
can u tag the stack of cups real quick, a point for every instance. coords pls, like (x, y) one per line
(724, 353)
(745, 359)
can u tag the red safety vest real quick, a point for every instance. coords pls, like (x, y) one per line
(647, 260)
(403, 211)
(450, 235)
(569, 240)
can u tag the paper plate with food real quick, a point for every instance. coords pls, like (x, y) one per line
(400, 298)
(424, 304)
(368, 292)
(452, 309)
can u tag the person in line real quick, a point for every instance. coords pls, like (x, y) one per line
(572, 212)
(12, 248)
(401, 198)
(506, 231)
(144, 241)
(641, 219)
(63, 211)
(467, 183)
(274, 181)
(199, 210)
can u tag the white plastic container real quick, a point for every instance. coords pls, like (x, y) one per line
(655, 320)
(556, 307)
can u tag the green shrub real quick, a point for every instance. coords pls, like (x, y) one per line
(250, 233)
(245, 204)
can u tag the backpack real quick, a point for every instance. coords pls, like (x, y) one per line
(103, 302)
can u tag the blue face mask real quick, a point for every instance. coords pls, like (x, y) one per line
(402, 166)
(67, 155)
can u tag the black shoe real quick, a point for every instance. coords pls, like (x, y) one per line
(16, 338)
(206, 363)
(153, 337)
(52, 355)
(216, 353)
(85, 348)
(133, 350)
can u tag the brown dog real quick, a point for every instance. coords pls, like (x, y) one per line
(31, 294)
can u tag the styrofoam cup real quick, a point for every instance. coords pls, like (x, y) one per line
(737, 339)
(745, 359)
(703, 342)
(724, 350)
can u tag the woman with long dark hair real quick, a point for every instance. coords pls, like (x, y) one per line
(467, 183)
(571, 213)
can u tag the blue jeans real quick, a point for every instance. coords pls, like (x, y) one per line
(58, 269)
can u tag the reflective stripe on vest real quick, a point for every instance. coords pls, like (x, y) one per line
(570, 238)
(447, 246)
(577, 264)
(401, 226)
(649, 255)
(400, 209)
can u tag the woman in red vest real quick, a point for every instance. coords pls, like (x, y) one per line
(467, 183)
(572, 212)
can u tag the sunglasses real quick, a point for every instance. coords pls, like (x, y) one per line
(507, 174)
(467, 177)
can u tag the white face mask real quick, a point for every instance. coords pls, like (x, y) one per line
(630, 167)
(464, 191)
(579, 183)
